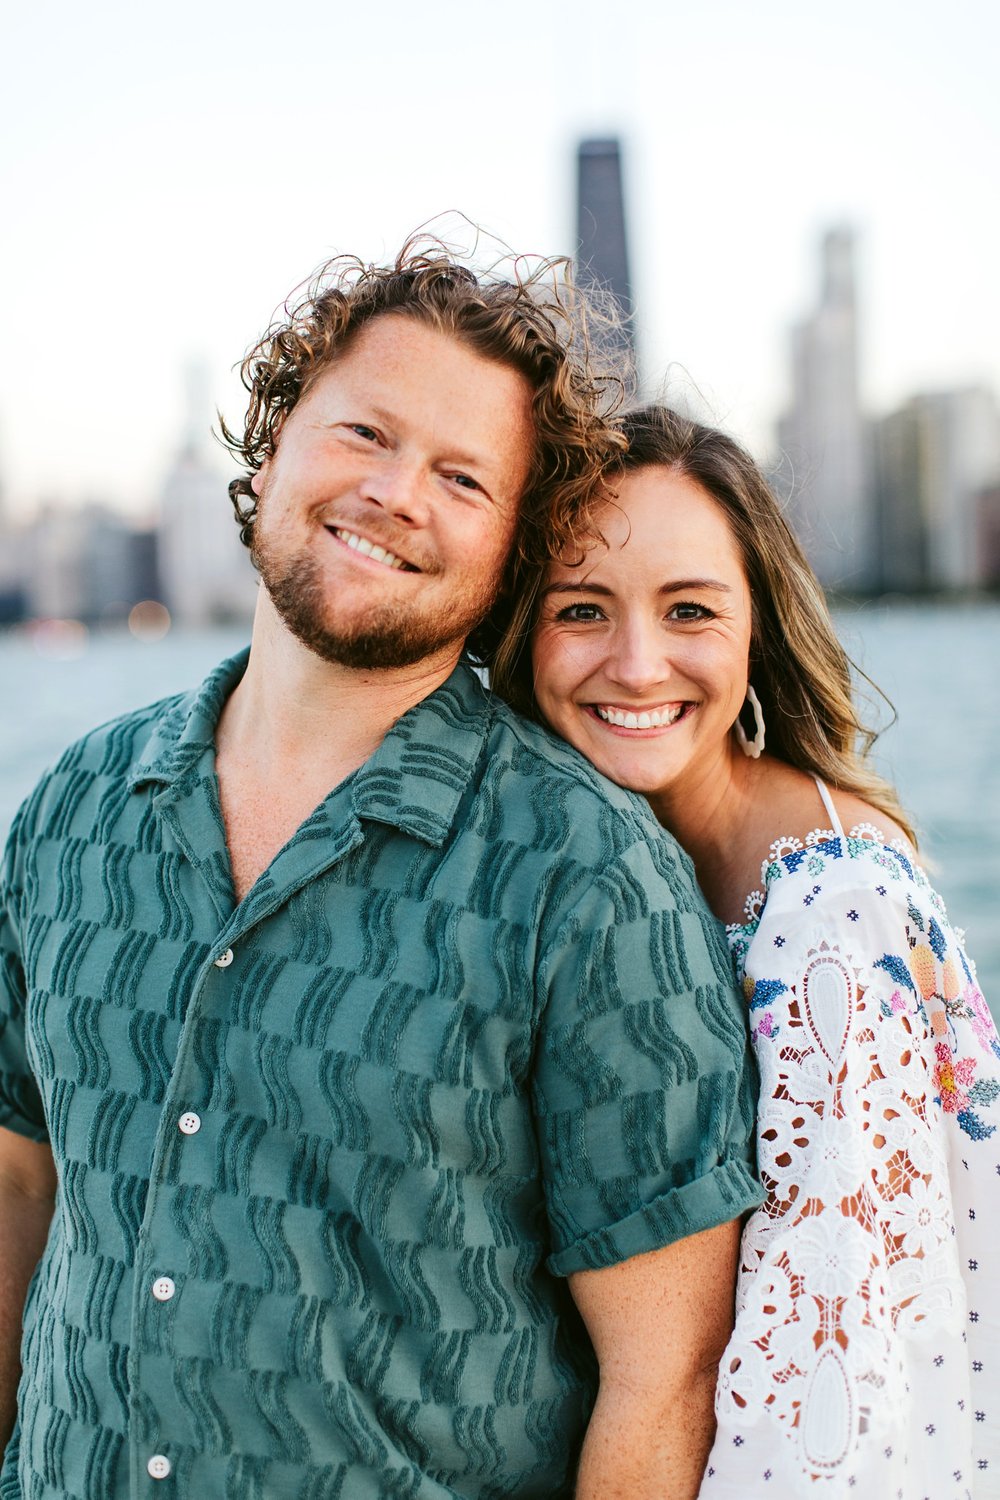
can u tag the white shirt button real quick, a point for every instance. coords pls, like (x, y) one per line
(189, 1123)
(224, 959)
(163, 1288)
(158, 1466)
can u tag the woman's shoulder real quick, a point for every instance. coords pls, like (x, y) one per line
(794, 804)
(797, 809)
(860, 819)
(802, 839)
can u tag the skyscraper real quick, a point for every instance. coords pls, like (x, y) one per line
(601, 235)
(822, 435)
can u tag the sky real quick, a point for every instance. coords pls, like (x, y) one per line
(168, 174)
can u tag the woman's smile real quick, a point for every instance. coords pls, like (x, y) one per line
(639, 719)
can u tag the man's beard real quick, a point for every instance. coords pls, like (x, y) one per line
(386, 637)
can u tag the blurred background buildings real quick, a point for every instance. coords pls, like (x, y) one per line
(904, 502)
(900, 502)
(93, 564)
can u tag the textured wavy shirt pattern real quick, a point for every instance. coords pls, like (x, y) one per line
(471, 1031)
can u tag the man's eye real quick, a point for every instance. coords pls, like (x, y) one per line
(580, 614)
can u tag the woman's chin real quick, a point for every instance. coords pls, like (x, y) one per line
(633, 772)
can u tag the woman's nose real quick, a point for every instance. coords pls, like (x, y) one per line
(637, 660)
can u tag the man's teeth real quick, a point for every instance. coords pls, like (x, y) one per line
(369, 549)
(654, 718)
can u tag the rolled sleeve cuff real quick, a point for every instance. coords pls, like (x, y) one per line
(727, 1191)
(20, 1124)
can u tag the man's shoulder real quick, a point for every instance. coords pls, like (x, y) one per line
(548, 790)
(119, 745)
(112, 752)
(601, 860)
(536, 754)
(155, 742)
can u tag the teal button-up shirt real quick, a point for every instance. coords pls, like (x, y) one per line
(325, 1156)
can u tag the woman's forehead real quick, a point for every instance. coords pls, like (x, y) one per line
(654, 520)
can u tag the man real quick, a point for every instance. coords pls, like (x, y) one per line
(348, 1019)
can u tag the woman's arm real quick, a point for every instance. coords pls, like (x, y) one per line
(659, 1323)
(864, 1019)
(27, 1191)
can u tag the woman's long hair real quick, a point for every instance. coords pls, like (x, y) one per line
(798, 667)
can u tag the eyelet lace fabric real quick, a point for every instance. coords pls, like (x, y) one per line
(865, 1358)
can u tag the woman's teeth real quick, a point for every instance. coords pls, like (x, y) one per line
(654, 718)
(369, 549)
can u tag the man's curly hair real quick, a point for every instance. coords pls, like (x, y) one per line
(534, 320)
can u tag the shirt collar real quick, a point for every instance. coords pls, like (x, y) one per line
(417, 776)
(415, 779)
(186, 728)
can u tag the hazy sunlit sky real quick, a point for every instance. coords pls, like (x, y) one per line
(170, 172)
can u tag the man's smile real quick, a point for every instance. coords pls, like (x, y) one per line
(371, 549)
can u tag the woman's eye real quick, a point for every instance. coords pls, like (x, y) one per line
(687, 612)
(466, 482)
(368, 433)
(580, 614)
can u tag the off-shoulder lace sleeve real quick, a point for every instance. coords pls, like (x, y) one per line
(869, 1287)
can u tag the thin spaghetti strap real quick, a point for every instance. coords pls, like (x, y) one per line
(831, 811)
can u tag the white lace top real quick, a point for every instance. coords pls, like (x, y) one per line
(865, 1360)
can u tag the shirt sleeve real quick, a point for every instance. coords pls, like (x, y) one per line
(20, 1102)
(864, 1013)
(644, 1085)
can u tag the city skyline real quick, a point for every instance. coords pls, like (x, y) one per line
(904, 501)
(780, 446)
(170, 181)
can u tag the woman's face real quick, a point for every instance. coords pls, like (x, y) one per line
(640, 653)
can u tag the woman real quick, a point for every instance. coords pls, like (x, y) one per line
(686, 635)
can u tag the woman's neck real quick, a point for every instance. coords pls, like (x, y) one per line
(717, 814)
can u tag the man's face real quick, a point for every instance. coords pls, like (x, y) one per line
(388, 509)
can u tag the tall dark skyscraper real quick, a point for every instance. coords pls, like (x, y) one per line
(602, 240)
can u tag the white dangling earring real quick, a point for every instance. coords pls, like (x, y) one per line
(752, 747)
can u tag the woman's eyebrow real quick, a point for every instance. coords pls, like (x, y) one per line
(695, 583)
(675, 586)
(583, 587)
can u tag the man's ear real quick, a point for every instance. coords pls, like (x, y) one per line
(257, 480)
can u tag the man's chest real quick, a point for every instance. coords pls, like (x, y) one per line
(373, 1003)
(257, 828)
(284, 1123)
(261, 817)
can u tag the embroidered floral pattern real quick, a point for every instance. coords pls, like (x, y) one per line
(876, 1051)
(942, 980)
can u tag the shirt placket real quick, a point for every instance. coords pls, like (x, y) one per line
(156, 1452)
(159, 1279)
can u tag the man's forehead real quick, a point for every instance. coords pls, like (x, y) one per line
(396, 339)
(405, 369)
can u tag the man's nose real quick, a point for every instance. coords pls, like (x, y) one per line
(401, 489)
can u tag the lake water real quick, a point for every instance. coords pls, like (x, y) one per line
(939, 664)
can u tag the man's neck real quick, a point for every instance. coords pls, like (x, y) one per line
(295, 711)
(294, 728)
